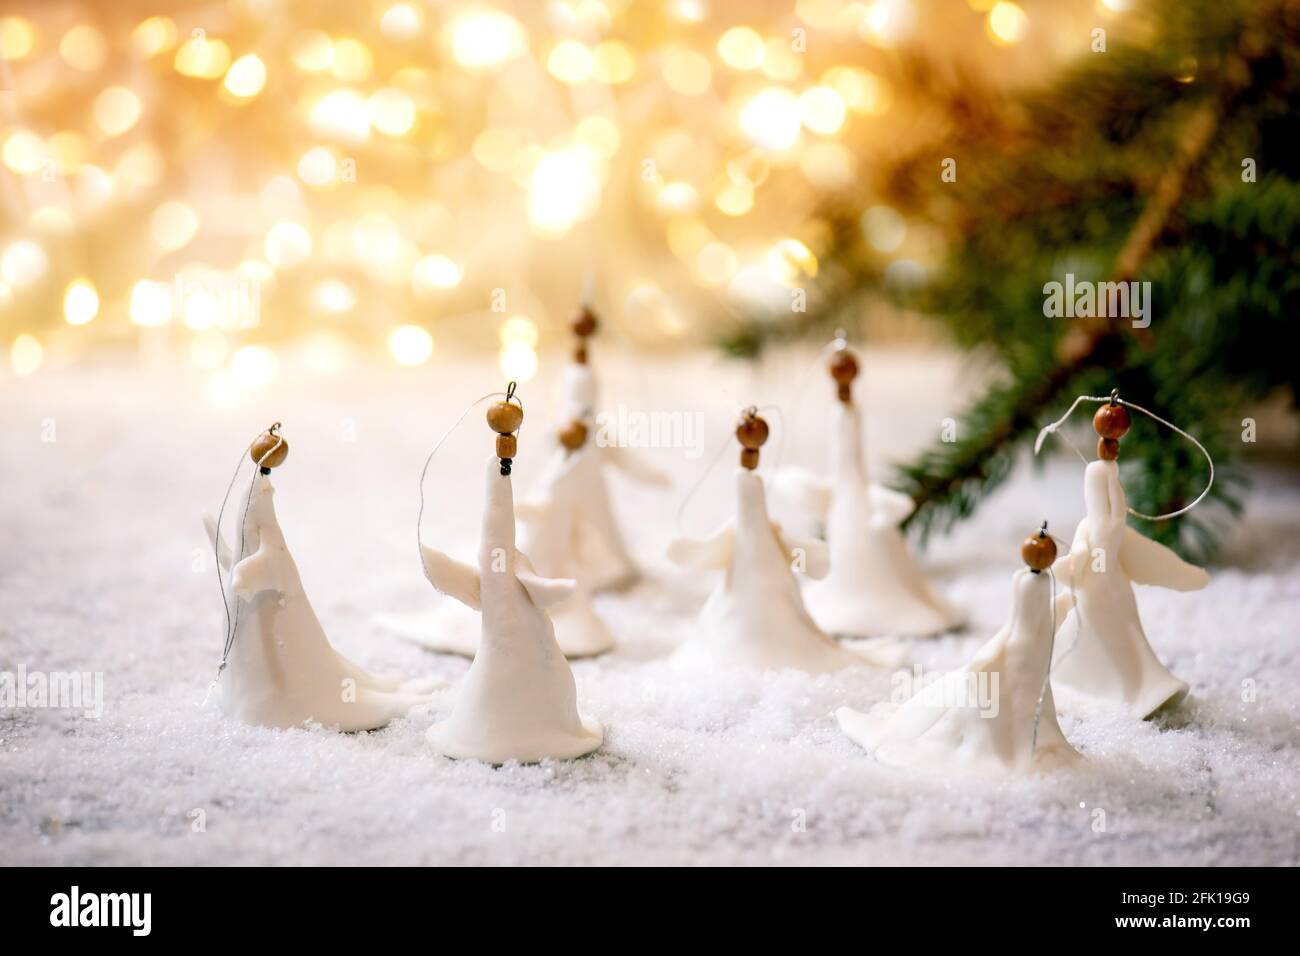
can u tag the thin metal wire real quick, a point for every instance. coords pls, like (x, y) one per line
(1047, 678)
(509, 395)
(1114, 398)
(748, 410)
(232, 622)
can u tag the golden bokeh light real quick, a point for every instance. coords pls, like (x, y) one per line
(570, 62)
(153, 36)
(613, 62)
(518, 362)
(790, 262)
(84, 48)
(151, 303)
(410, 345)
(80, 302)
(23, 262)
(1007, 23)
(822, 110)
(772, 119)
(741, 48)
(351, 60)
(26, 354)
(287, 244)
(24, 152)
(687, 72)
(116, 110)
(17, 38)
(202, 58)
(401, 21)
(173, 225)
(883, 228)
(434, 274)
(518, 329)
(392, 111)
(482, 38)
(318, 167)
(246, 76)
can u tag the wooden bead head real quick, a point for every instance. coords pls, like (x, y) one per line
(1038, 550)
(504, 418)
(752, 433)
(584, 326)
(1111, 422)
(573, 435)
(269, 449)
(844, 369)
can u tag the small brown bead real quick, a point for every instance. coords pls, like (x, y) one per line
(507, 446)
(1112, 421)
(584, 323)
(1107, 449)
(845, 392)
(264, 443)
(749, 458)
(573, 435)
(1038, 551)
(752, 431)
(504, 417)
(580, 354)
(843, 367)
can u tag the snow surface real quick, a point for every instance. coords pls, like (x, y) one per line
(105, 568)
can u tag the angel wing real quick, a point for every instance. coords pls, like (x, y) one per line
(224, 555)
(805, 490)
(706, 553)
(891, 505)
(1149, 562)
(257, 573)
(544, 592)
(637, 467)
(456, 579)
(816, 555)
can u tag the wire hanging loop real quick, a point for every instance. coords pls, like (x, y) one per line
(509, 396)
(1114, 399)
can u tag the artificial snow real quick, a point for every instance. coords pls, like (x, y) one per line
(106, 570)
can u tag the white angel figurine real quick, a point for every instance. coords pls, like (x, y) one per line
(552, 528)
(601, 554)
(756, 618)
(1101, 648)
(874, 587)
(519, 699)
(280, 669)
(996, 715)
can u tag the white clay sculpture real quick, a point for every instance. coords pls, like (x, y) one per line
(996, 715)
(519, 699)
(875, 587)
(281, 670)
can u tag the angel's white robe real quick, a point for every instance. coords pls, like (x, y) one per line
(519, 699)
(282, 670)
(1101, 648)
(985, 718)
(874, 587)
(756, 618)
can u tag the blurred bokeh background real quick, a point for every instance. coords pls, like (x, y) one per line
(241, 184)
